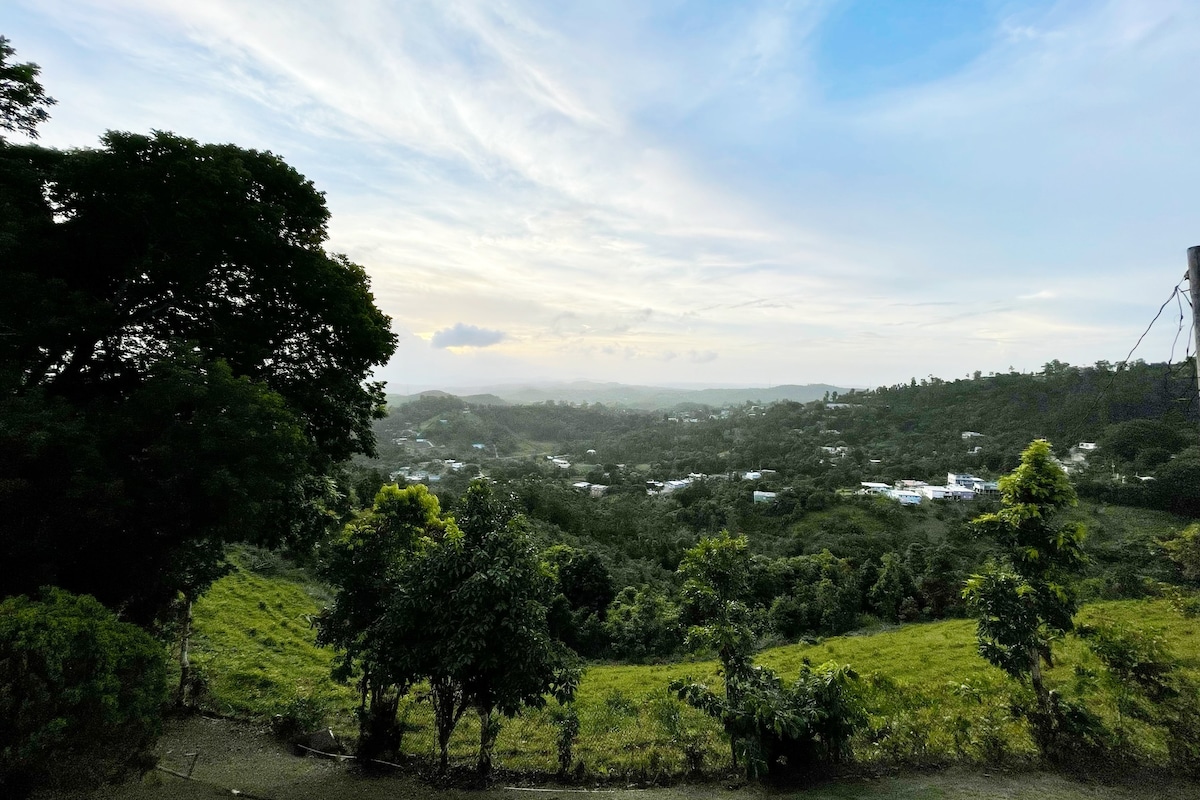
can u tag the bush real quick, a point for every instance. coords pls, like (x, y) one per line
(777, 729)
(302, 714)
(81, 694)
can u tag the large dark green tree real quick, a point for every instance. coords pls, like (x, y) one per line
(181, 363)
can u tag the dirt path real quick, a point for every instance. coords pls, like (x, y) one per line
(233, 756)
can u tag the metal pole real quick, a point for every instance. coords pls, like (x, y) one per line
(1193, 260)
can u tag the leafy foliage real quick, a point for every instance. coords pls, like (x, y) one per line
(1026, 601)
(770, 726)
(643, 623)
(459, 604)
(181, 364)
(1184, 550)
(80, 694)
(367, 563)
(776, 728)
(23, 101)
(1148, 684)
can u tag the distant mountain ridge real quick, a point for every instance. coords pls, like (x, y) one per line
(645, 398)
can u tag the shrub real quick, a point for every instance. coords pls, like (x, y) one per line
(1148, 684)
(775, 728)
(303, 713)
(81, 694)
(566, 725)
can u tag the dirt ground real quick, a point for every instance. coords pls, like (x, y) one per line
(234, 759)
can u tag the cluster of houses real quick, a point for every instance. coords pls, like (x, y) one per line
(958, 486)
(666, 487)
(428, 471)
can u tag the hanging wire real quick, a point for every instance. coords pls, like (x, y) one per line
(1121, 365)
(1173, 371)
(1179, 330)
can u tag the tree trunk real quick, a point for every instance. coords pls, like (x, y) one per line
(489, 729)
(185, 641)
(1035, 678)
(448, 708)
(1043, 719)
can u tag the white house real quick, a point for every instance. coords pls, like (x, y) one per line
(906, 497)
(765, 497)
(964, 479)
(947, 492)
(971, 435)
(874, 487)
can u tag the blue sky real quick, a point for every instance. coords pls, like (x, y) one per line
(843, 191)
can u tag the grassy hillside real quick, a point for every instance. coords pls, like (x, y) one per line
(255, 647)
(931, 698)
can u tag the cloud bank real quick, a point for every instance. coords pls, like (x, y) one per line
(463, 335)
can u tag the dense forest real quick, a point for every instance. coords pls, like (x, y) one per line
(1144, 413)
(824, 554)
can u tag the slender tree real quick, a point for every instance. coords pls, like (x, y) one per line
(1025, 600)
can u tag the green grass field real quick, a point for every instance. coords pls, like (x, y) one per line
(931, 698)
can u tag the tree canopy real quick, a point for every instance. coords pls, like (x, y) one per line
(181, 362)
(23, 101)
(1025, 599)
(458, 603)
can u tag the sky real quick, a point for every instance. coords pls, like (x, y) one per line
(854, 192)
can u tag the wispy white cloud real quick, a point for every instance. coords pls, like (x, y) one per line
(610, 186)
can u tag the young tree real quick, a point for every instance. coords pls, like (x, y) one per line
(367, 563)
(716, 582)
(493, 635)
(769, 724)
(1025, 599)
(460, 604)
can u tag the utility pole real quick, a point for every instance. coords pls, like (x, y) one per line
(1193, 256)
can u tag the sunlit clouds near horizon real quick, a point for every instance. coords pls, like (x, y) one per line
(709, 193)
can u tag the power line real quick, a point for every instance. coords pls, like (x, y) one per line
(1175, 291)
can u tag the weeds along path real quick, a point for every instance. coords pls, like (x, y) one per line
(244, 757)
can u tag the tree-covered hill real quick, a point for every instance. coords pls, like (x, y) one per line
(642, 398)
(1141, 416)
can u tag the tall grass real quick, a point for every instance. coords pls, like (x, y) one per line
(930, 697)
